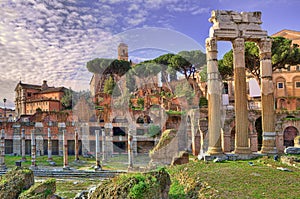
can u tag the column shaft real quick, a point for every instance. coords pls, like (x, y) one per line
(76, 146)
(214, 98)
(267, 98)
(240, 98)
(49, 145)
(23, 145)
(2, 150)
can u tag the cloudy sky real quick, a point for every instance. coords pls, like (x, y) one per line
(53, 39)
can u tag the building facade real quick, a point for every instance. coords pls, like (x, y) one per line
(30, 98)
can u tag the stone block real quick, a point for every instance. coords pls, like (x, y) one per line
(292, 150)
(182, 158)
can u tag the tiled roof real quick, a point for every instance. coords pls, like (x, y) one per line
(289, 34)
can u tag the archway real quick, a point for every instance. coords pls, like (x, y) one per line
(289, 135)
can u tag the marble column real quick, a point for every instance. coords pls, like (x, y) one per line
(33, 150)
(49, 145)
(240, 98)
(214, 98)
(129, 146)
(76, 146)
(97, 153)
(267, 97)
(65, 150)
(2, 151)
(23, 145)
(104, 152)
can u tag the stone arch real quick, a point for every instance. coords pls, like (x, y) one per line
(289, 135)
(143, 119)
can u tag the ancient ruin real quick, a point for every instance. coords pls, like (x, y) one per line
(238, 28)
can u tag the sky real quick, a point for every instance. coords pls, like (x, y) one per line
(54, 39)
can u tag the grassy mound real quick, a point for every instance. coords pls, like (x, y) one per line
(258, 178)
(150, 185)
(40, 191)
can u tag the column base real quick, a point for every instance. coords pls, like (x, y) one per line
(214, 151)
(268, 150)
(242, 150)
(3, 167)
(66, 168)
(98, 168)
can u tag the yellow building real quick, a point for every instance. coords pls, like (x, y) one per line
(30, 98)
(287, 81)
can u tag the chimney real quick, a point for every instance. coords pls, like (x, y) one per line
(44, 86)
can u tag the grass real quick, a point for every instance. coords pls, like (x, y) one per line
(228, 179)
(235, 179)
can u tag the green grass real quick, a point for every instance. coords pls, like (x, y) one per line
(235, 179)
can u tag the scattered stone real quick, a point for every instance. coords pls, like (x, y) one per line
(82, 195)
(276, 157)
(284, 169)
(292, 150)
(217, 160)
(251, 163)
(182, 158)
(52, 163)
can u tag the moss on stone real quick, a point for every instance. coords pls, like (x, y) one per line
(151, 185)
(43, 190)
(13, 182)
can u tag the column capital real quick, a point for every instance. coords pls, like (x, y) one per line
(265, 46)
(211, 44)
(238, 45)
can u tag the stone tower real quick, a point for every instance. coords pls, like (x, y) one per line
(123, 52)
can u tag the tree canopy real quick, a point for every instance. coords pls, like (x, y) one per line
(108, 66)
(283, 54)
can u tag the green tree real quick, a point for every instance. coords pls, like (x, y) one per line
(283, 54)
(67, 98)
(109, 85)
(108, 66)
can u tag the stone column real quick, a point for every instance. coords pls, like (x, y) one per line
(65, 150)
(129, 148)
(97, 153)
(267, 97)
(33, 150)
(76, 146)
(23, 145)
(17, 139)
(240, 98)
(61, 128)
(109, 139)
(104, 152)
(49, 145)
(214, 98)
(2, 150)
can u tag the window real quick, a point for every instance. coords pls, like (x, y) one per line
(297, 84)
(280, 85)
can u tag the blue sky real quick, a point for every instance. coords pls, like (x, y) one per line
(53, 39)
